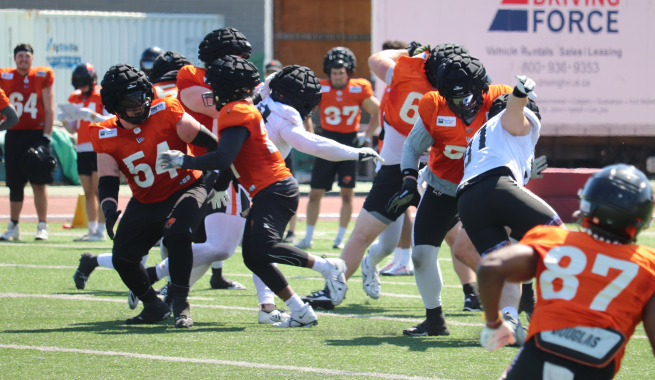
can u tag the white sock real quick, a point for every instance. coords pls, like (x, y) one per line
(428, 275)
(162, 269)
(104, 260)
(322, 266)
(93, 226)
(101, 228)
(512, 312)
(197, 273)
(217, 264)
(405, 256)
(340, 235)
(396, 255)
(309, 233)
(264, 295)
(294, 303)
(144, 260)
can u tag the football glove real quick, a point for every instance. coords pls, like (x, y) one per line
(424, 48)
(412, 46)
(360, 139)
(407, 196)
(111, 216)
(493, 339)
(218, 198)
(45, 142)
(538, 165)
(526, 86)
(170, 159)
(366, 154)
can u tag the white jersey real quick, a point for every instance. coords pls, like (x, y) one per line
(285, 128)
(493, 147)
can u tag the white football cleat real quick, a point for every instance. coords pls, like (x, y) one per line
(304, 244)
(12, 233)
(400, 270)
(41, 231)
(519, 332)
(370, 279)
(99, 235)
(272, 317)
(390, 265)
(336, 281)
(305, 317)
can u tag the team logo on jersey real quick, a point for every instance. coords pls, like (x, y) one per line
(325, 88)
(355, 89)
(41, 74)
(446, 121)
(159, 107)
(339, 98)
(469, 130)
(106, 133)
(170, 222)
(140, 140)
(137, 130)
(8, 76)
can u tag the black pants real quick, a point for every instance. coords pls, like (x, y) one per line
(324, 171)
(271, 210)
(143, 224)
(17, 142)
(435, 216)
(530, 361)
(496, 201)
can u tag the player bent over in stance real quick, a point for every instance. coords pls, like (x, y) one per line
(497, 165)
(259, 167)
(447, 119)
(593, 287)
(168, 202)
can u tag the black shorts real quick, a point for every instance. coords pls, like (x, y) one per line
(143, 224)
(435, 216)
(324, 171)
(496, 201)
(16, 144)
(387, 182)
(87, 163)
(529, 363)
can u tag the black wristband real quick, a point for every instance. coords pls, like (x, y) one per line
(518, 93)
(223, 180)
(108, 188)
(410, 172)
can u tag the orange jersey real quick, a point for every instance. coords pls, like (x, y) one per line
(4, 102)
(93, 102)
(340, 109)
(165, 89)
(408, 85)
(190, 76)
(450, 134)
(26, 94)
(258, 163)
(582, 281)
(136, 150)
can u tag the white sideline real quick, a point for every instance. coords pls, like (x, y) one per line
(330, 372)
(84, 297)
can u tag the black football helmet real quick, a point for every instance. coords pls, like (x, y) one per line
(339, 57)
(84, 75)
(148, 58)
(166, 66)
(436, 58)
(500, 103)
(616, 204)
(232, 78)
(462, 80)
(127, 93)
(298, 87)
(222, 42)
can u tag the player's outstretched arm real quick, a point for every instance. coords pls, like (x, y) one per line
(382, 61)
(11, 116)
(649, 322)
(108, 186)
(513, 119)
(318, 146)
(417, 143)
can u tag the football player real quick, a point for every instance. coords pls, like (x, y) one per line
(168, 203)
(246, 149)
(343, 98)
(498, 163)
(191, 86)
(148, 58)
(447, 119)
(164, 74)
(593, 287)
(9, 116)
(31, 94)
(87, 97)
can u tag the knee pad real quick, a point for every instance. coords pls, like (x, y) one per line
(16, 193)
(421, 254)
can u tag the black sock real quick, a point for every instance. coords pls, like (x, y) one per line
(218, 272)
(149, 297)
(435, 314)
(152, 274)
(15, 222)
(471, 288)
(180, 301)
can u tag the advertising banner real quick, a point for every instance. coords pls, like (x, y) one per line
(593, 60)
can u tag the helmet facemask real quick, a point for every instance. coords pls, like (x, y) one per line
(465, 104)
(134, 107)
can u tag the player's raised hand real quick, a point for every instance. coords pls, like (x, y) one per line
(493, 339)
(526, 86)
(412, 46)
(170, 159)
(538, 165)
(366, 154)
(423, 48)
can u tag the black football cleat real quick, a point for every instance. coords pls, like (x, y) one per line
(152, 313)
(472, 303)
(429, 327)
(320, 299)
(88, 262)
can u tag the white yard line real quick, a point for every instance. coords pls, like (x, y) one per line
(177, 359)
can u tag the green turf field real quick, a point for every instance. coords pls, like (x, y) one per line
(52, 330)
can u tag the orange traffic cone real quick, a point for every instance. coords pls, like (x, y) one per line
(80, 219)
